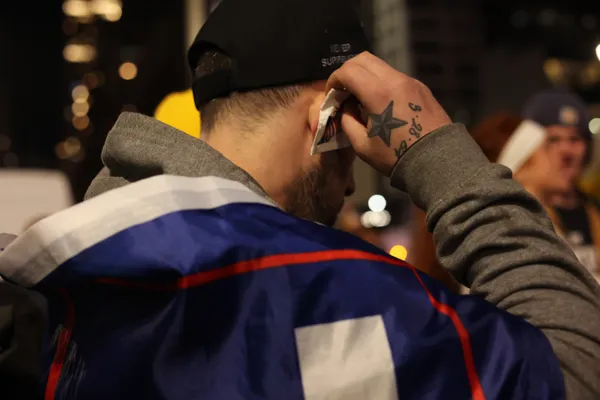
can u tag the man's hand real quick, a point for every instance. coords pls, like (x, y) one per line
(401, 110)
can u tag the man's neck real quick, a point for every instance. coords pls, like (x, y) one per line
(263, 164)
(236, 152)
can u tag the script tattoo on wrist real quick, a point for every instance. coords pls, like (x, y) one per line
(383, 124)
(414, 107)
(401, 149)
(415, 131)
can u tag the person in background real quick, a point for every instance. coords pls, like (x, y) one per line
(566, 119)
(422, 252)
(590, 179)
(522, 146)
(518, 144)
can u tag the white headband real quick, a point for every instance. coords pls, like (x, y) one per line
(525, 140)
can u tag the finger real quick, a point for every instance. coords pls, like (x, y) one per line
(354, 129)
(353, 107)
(369, 89)
(348, 75)
(356, 132)
(352, 122)
(375, 65)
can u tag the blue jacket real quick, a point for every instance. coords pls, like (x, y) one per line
(198, 288)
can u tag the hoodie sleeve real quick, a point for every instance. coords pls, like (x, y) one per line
(497, 239)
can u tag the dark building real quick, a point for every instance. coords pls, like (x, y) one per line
(31, 78)
(139, 59)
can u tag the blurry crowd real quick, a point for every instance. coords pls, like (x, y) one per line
(549, 148)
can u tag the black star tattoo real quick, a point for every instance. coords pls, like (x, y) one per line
(383, 124)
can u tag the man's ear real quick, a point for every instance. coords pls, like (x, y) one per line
(314, 111)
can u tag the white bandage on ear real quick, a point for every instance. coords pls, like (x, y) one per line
(329, 135)
(525, 140)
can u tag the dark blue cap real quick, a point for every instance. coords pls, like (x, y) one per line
(558, 107)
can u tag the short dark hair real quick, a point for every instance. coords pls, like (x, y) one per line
(251, 106)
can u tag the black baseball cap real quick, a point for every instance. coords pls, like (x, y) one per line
(276, 43)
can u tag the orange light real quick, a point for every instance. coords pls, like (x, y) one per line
(80, 93)
(110, 10)
(128, 71)
(81, 123)
(79, 53)
(77, 8)
(80, 109)
(68, 149)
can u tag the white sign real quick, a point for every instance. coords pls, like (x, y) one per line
(27, 196)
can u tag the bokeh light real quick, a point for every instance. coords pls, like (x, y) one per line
(79, 53)
(81, 123)
(377, 203)
(77, 8)
(80, 109)
(128, 71)
(399, 252)
(595, 126)
(80, 93)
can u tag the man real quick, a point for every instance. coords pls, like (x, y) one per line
(178, 287)
(566, 119)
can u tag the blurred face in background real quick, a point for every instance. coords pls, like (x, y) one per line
(567, 151)
(541, 175)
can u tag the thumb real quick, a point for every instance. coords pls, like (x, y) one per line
(352, 123)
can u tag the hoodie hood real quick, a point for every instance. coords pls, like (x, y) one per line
(139, 147)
